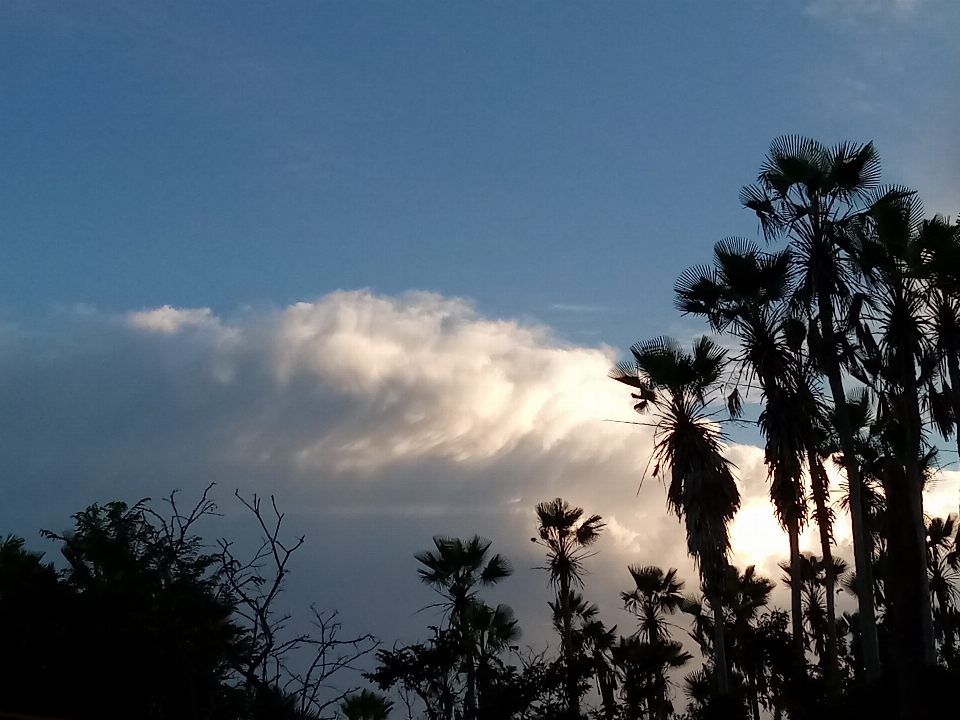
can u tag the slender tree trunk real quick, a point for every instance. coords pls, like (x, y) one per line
(914, 478)
(818, 482)
(754, 696)
(470, 697)
(861, 540)
(796, 602)
(953, 365)
(605, 683)
(904, 595)
(662, 710)
(720, 646)
(570, 682)
(447, 709)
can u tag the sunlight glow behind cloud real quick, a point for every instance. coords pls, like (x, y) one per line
(389, 417)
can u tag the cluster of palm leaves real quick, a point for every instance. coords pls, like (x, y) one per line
(464, 670)
(847, 330)
(459, 670)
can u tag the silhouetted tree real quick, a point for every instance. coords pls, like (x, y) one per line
(566, 534)
(679, 386)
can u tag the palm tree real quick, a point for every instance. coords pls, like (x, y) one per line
(813, 196)
(679, 387)
(656, 595)
(744, 293)
(815, 590)
(490, 631)
(943, 563)
(598, 642)
(455, 570)
(943, 553)
(733, 613)
(744, 594)
(592, 644)
(820, 489)
(646, 667)
(939, 243)
(896, 366)
(458, 568)
(566, 534)
(366, 705)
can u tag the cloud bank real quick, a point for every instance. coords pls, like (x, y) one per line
(376, 421)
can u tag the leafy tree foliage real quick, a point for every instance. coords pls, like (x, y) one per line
(143, 623)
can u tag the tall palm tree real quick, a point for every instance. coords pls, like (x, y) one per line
(820, 490)
(744, 293)
(939, 243)
(566, 534)
(812, 196)
(896, 366)
(656, 595)
(679, 388)
(456, 569)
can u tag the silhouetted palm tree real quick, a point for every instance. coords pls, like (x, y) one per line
(813, 196)
(744, 293)
(896, 366)
(815, 590)
(566, 534)
(646, 667)
(743, 595)
(943, 563)
(366, 705)
(939, 243)
(679, 387)
(656, 595)
(456, 570)
(598, 643)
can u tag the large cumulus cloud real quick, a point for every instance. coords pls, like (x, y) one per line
(376, 421)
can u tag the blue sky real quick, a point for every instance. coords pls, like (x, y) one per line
(539, 158)
(376, 257)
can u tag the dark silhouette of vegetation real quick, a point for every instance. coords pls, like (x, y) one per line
(565, 533)
(147, 621)
(864, 295)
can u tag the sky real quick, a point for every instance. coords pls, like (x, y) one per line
(376, 258)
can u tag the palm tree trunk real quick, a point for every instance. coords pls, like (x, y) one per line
(953, 365)
(754, 696)
(605, 683)
(470, 697)
(914, 477)
(662, 708)
(818, 482)
(796, 604)
(573, 699)
(861, 541)
(904, 596)
(720, 646)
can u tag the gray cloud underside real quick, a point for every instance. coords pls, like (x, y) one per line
(377, 422)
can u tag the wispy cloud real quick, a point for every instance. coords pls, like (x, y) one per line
(564, 307)
(846, 10)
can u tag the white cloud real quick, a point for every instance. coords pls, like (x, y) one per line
(377, 422)
(168, 319)
(441, 380)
